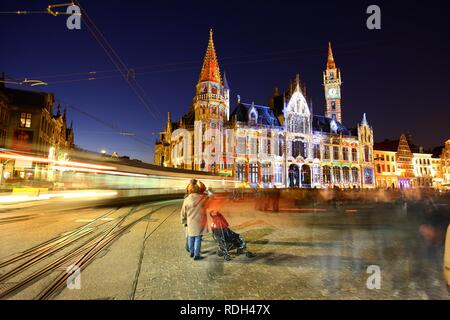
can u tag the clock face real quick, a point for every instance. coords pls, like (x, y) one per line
(333, 92)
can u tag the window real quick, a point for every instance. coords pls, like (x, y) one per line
(333, 105)
(278, 177)
(253, 146)
(280, 145)
(266, 174)
(214, 90)
(213, 145)
(298, 149)
(345, 153)
(25, 120)
(368, 176)
(346, 174)
(366, 154)
(326, 174)
(326, 153)
(316, 151)
(337, 174)
(241, 145)
(354, 155)
(253, 173)
(335, 153)
(355, 174)
(240, 172)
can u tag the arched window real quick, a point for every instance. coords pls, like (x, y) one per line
(214, 90)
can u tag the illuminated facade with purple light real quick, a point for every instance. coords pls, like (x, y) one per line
(282, 145)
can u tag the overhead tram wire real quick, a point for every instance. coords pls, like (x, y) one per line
(92, 75)
(186, 68)
(113, 127)
(117, 61)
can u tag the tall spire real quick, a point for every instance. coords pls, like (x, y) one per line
(210, 69)
(169, 122)
(364, 120)
(330, 60)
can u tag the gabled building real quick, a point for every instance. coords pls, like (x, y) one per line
(401, 164)
(282, 144)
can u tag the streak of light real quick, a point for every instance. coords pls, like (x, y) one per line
(69, 195)
(116, 173)
(303, 209)
(66, 163)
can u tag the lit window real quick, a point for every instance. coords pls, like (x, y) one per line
(345, 153)
(240, 171)
(326, 153)
(25, 120)
(278, 178)
(335, 153)
(266, 173)
(253, 173)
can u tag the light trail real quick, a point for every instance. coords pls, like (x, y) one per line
(64, 163)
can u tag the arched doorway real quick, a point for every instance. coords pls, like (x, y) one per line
(306, 176)
(294, 173)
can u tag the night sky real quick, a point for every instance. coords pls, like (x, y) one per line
(399, 75)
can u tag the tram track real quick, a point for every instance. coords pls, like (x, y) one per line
(79, 247)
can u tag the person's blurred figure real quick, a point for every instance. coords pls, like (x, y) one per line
(194, 218)
(258, 198)
(275, 199)
(447, 257)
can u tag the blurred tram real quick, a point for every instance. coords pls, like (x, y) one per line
(129, 174)
(88, 170)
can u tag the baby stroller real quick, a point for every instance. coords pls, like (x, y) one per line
(226, 239)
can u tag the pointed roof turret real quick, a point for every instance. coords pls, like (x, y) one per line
(330, 60)
(364, 120)
(210, 69)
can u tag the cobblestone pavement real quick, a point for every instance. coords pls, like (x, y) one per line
(321, 254)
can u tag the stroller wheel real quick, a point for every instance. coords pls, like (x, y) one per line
(248, 254)
(227, 257)
(220, 253)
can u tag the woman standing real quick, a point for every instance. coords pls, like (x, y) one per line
(193, 216)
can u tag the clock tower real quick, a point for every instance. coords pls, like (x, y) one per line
(332, 85)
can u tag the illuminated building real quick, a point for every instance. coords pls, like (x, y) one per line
(31, 127)
(400, 164)
(445, 162)
(283, 144)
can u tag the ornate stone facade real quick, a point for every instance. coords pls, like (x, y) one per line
(282, 145)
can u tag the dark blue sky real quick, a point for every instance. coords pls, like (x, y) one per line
(398, 75)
